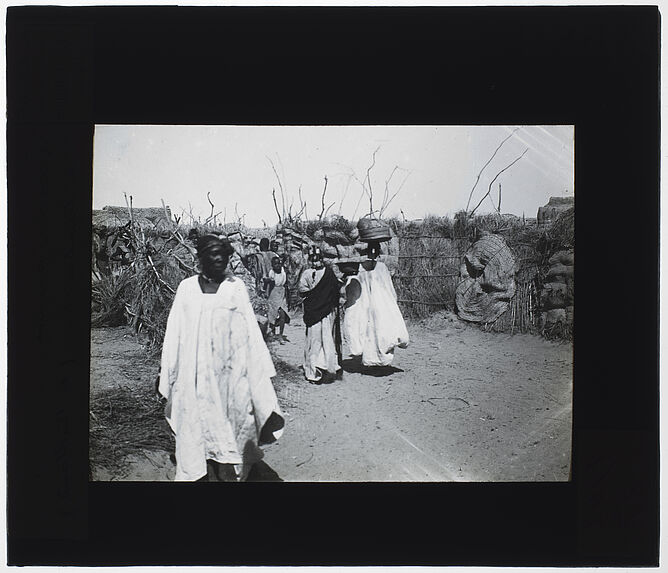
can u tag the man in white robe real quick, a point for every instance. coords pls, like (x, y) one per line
(216, 374)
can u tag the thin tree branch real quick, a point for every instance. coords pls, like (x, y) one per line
(358, 202)
(382, 210)
(368, 179)
(164, 208)
(273, 194)
(489, 190)
(328, 208)
(345, 192)
(322, 199)
(129, 205)
(280, 186)
(183, 263)
(208, 198)
(387, 190)
(301, 203)
(486, 164)
(158, 276)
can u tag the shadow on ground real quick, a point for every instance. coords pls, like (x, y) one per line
(355, 366)
(261, 471)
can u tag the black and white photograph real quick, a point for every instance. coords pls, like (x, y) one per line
(332, 303)
(327, 255)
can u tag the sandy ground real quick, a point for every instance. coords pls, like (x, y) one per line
(458, 404)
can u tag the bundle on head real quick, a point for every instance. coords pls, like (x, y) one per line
(372, 229)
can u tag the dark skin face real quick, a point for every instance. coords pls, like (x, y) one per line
(276, 265)
(372, 253)
(213, 262)
(316, 262)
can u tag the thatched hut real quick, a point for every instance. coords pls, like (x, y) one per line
(145, 217)
(547, 214)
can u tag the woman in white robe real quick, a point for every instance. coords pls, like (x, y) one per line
(216, 374)
(373, 324)
(356, 317)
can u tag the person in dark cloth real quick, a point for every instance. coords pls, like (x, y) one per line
(265, 256)
(320, 290)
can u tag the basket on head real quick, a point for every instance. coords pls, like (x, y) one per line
(372, 229)
(349, 266)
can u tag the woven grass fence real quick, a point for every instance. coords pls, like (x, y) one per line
(431, 252)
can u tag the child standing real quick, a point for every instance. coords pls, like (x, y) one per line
(278, 304)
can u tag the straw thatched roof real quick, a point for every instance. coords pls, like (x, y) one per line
(146, 217)
(555, 206)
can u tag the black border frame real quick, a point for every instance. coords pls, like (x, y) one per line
(595, 67)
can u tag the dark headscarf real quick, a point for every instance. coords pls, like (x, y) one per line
(322, 298)
(206, 242)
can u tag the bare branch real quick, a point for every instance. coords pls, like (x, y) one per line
(358, 202)
(183, 263)
(273, 194)
(491, 201)
(489, 190)
(164, 208)
(368, 178)
(322, 199)
(240, 219)
(129, 206)
(387, 191)
(345, 192)
(170, 289)
(328, 208)
(208, 198)
(280, 186)
(486, 164)
(301, 203)
(386, 205)
(499, 207)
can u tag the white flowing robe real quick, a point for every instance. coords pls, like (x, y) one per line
(373, 325)
(320, 348)
(277, 298)
(216, 375)
(356, 317)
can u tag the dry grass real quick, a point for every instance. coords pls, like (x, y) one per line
(107, 298)
(123, 421)
(127, 419)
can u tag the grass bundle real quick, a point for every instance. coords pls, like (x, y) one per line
(124, 421)
(107, 299)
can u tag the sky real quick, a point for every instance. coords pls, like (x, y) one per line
(428, 169)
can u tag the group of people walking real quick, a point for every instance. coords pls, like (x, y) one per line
(216, 368)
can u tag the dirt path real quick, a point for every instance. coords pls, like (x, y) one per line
(458, 404)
